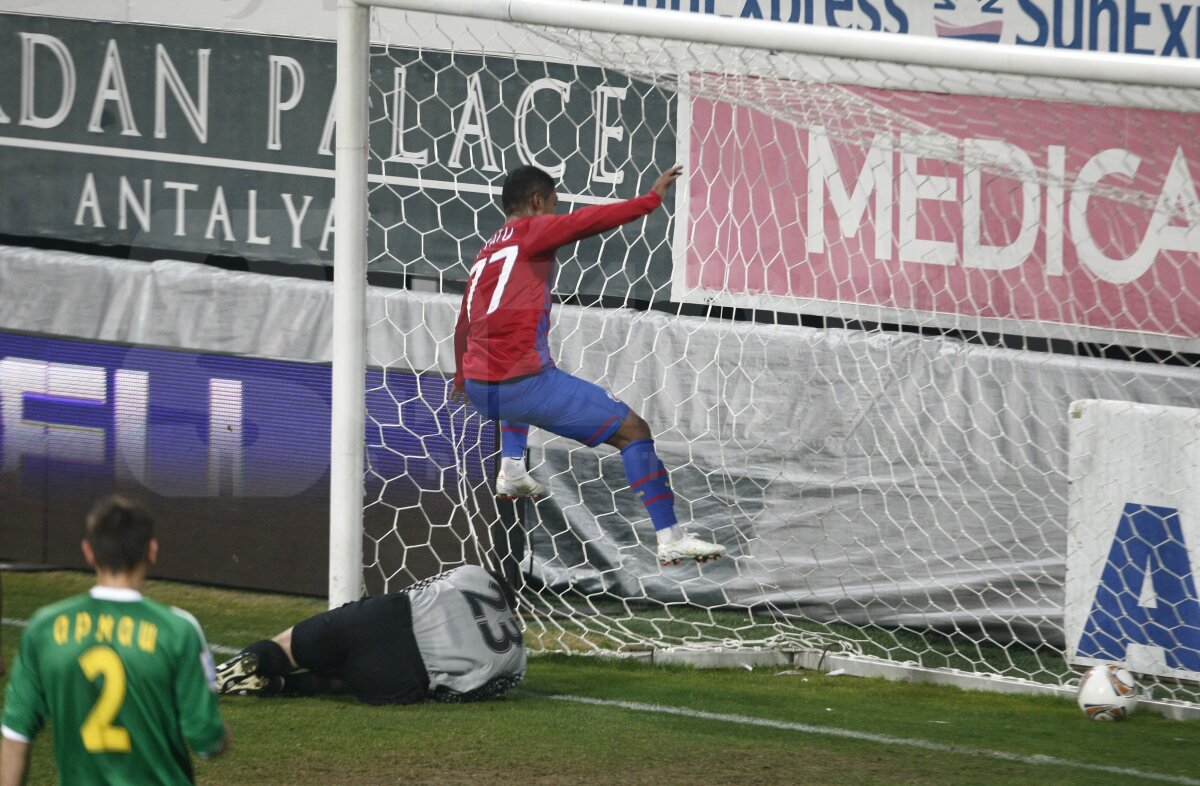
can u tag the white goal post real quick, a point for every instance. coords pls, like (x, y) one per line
(349, 298)
(932, 257)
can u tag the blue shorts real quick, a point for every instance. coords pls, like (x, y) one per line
(555, 401)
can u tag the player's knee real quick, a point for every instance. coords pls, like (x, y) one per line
(639, 428)
(633, 428)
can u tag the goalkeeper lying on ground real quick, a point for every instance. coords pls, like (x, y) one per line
(452, 637)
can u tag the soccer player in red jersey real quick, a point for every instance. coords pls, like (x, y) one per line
(502, 350)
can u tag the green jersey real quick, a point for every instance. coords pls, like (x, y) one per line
(128, 682)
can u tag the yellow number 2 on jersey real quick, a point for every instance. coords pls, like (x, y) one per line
(98, 732)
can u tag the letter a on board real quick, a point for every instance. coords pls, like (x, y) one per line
(1147, 594)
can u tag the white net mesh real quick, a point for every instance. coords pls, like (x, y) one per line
(855, 333)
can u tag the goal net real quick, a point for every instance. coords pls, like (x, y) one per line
(856, 330)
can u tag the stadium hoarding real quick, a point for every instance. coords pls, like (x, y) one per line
(1168, 28)
(143, 136)
(1133, 538)
(232, 453)
(956, 212)
(184, 140)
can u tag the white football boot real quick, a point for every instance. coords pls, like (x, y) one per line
(676, 544)
(518, 487)
(239, 676)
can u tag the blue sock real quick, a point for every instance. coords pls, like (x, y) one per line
(513, 438)
(648, 477)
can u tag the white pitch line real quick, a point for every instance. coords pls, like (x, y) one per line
(882, 739)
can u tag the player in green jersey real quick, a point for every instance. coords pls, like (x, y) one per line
(3, 668)
(128, 682)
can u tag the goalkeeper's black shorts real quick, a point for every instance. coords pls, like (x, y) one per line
(369, 646)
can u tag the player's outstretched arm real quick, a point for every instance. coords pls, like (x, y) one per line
(558, 230)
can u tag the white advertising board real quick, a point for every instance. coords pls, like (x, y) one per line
(1133, 538)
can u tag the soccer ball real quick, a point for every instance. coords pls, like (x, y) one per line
(1107, 693)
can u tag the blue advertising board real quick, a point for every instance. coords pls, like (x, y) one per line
(246, 439)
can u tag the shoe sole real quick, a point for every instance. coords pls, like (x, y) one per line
(236, 671)
(514, 497)
(250, 686)
(700, 560)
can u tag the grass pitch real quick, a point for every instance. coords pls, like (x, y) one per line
(590, 721)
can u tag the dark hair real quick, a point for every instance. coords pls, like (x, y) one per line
(520, 186)
(118, 530)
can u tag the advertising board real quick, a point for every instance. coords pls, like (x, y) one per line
(231, 453)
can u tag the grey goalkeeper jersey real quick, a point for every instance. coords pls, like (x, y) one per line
(469, 639)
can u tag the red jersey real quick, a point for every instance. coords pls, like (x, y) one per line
(504, 322)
